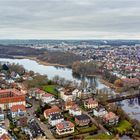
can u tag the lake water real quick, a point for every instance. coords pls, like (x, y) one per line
(131, 106)
(50, 71)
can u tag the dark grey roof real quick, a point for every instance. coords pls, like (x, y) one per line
(82, 117)
(56, 116)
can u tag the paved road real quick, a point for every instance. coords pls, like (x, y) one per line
(96, 123)
(45, 129)
(42, 125)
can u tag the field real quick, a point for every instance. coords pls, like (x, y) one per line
(123, 126)
(88, 129)
(51, 89)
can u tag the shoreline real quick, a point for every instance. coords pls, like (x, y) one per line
(39, 61)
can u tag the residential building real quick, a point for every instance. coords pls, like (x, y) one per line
(22, 121)
(17, 110)
(90, 103)
(36, 93)
(110, 118)
(76, 93)
(131, 82)
(47, 98)
(5, 137)
(75, 110)
(65, 127)
(3, 131)
(53, 110)
(99, 112)
(68, 104)
(10, 97)
(82, 120)
(55, 119)
(66, 95)
(1, 115)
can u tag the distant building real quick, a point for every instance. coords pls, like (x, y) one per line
(130, 82)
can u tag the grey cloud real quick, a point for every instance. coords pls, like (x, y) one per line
(69, 18)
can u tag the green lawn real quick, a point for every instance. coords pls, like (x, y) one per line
(51, 89)
(88, 129)
(123, 126)
(101, 137)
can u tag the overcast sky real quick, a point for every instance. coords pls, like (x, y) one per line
(69, 19)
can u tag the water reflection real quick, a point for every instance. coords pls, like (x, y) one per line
(131, 107)
(52, 71)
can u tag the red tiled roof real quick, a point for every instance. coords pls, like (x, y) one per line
(5, 137)
(13, 91)
(90, 101)
(54, 109)
(12, 99)
(69, 103)
(135, 80)
(39, 91)
(15, 108)
(110, 115)
(65, 124)
(75, 108)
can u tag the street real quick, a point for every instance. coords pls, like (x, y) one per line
(30, 112)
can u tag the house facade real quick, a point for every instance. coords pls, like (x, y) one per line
(90, 103)
(10, 97)
(110, 118)
(1, 115)
(75, 110)
(56, 118)
(17, 111)
(65, 127)
(53, 110)
(68, 105)
(47, 98)
(99, 112)
(82, 120)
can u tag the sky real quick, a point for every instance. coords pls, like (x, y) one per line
(69, 19)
